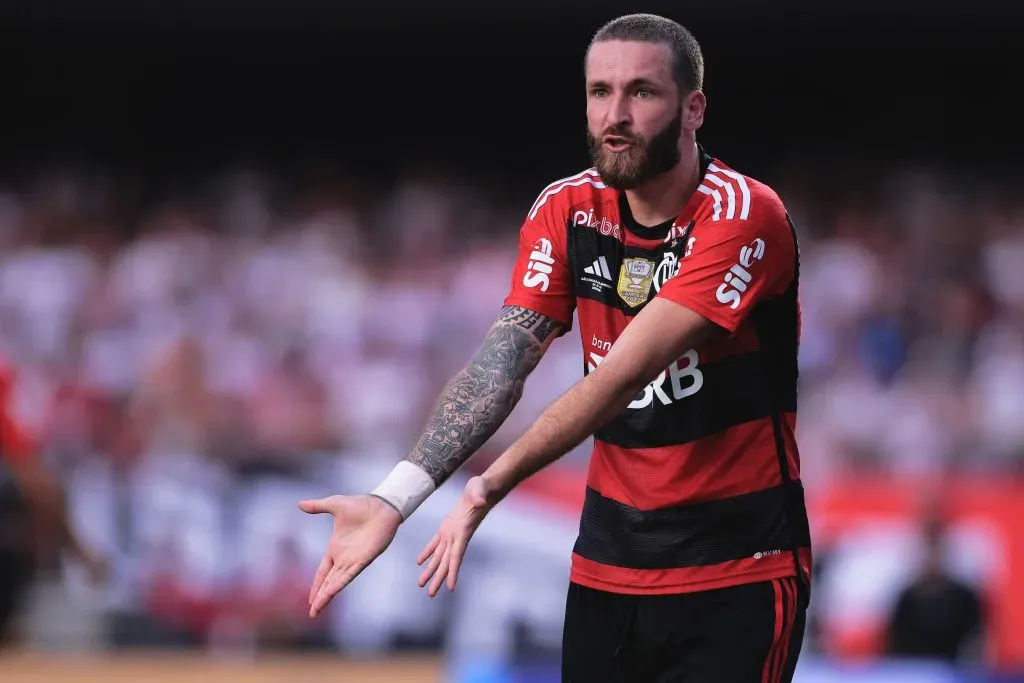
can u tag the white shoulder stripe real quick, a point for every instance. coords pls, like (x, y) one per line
(717, 196)
(589, 171)
(588, 177)
(741, 182)
(730, 193)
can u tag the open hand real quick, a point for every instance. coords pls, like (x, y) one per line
(448, 546)
(364, 527)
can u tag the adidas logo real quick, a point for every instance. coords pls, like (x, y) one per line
(599, 268)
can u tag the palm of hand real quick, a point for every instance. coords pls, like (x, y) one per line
(364, 527)
(360, 533)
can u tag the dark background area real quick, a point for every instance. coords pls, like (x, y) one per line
(376, 85)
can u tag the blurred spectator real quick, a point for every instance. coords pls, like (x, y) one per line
(937, 616)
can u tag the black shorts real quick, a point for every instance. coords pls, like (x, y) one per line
(15, 579)
(742, 634)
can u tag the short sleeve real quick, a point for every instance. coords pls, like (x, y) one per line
(14, 440)
(733, 264)
(15, 443)
(541, 278)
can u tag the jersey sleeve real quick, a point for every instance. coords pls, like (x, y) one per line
(541, 278)
(15, 443)
(732, 264)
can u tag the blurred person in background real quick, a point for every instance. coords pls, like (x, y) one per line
(693, 555)
(937, 616)
(31, 509)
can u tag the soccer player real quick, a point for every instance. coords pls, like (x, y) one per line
(693, 556)
(29, 495)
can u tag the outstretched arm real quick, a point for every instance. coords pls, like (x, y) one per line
(478, 400)
(660, 334)
(472, 406)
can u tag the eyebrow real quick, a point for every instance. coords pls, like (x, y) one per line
(635, 83)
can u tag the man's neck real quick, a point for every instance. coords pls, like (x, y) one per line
(664, 197)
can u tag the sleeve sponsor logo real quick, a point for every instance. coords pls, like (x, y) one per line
(540, 267)
(737, 279)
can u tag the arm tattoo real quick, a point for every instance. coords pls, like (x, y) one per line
(478, 399)
(539, 325)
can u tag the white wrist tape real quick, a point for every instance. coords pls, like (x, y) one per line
(406, 488)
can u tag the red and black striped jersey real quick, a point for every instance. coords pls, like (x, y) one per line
(696, 484)
(15, 443)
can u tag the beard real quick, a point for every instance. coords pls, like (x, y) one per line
(642, 162)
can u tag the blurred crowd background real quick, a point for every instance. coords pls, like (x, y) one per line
(235, 273)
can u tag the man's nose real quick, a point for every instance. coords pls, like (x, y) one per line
(618, 114)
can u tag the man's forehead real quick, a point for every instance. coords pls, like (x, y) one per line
(628, 60)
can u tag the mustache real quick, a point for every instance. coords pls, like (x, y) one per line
(618, 132)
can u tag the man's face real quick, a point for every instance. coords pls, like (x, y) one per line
(634, 112)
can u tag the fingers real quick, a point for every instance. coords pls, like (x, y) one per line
(442, 572)
(323, 596)
(445, 560)
(455, 560)
(318, 579)
(314, 507)
(435, 559)
(429, 549)
(339, 577)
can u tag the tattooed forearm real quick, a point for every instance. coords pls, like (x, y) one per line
(477, 400)
(539, 325)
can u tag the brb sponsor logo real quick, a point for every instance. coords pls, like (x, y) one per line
(538, 270)
(738, 277)
(601, 225)
(678, 381)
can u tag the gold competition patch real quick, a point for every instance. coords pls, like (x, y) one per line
(635, 278)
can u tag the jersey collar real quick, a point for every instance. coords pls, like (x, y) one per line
(661, 230)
